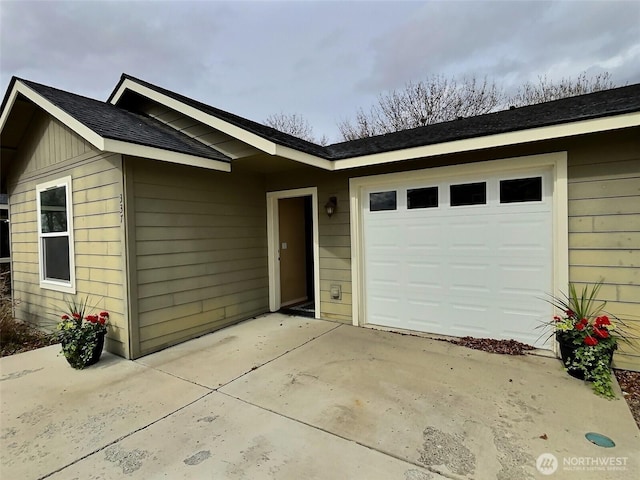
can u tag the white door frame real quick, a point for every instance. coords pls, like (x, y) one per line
(560, 243)
(273, 243)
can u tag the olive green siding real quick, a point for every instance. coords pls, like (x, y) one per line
(193, 255)
(333, 234)
(604, 227)
(604, 220)
(200, 254)
(50, 151)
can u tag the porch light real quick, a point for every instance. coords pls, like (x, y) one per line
(331, 206)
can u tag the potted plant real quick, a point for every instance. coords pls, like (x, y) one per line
(82, 336)
(587, 336)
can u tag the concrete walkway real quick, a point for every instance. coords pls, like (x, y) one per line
(295, 398)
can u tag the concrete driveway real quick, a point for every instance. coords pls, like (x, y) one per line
(292, 398)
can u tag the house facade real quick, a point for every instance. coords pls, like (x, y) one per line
(179, 218)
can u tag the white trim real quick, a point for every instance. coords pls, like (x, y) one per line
(273, 242)
(58, 285)
(105, 144)
(59, 114)
(556, 161)
(154, 153)
(4, 206)
(241, 134)
(497, 140)
(305, 158)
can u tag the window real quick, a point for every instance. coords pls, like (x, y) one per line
(521, 190)
(4, 230)
(382, 201)
(468, 194)
(55, 235)
(422, 197)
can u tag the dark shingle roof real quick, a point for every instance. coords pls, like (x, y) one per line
(115, 123)
(572, 109)
(594, 105)
(256, 128)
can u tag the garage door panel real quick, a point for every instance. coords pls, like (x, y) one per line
(423, 275)
(481, 270)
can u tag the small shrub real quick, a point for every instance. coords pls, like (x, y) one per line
(17, 336)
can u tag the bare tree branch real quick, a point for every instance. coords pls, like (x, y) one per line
(546, 90)
(295, 125)
(440, 99)
(436, 99)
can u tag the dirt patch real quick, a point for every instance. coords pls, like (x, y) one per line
(491, 345)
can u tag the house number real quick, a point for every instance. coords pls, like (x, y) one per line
(121, 209)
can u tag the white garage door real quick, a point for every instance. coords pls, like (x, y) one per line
(460, 256)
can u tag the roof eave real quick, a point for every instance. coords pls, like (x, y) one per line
(549, 132)
(241, 134)
(154, 153)
(99, 142)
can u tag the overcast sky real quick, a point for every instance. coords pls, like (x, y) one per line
(320, 59)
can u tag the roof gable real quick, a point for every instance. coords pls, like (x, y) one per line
(109, 128)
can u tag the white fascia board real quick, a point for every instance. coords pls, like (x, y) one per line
(306, 158)
(7, 108)
(133, 149)
(497, 140)
(85, 132)
(211, 120)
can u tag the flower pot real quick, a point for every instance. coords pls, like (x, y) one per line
(96, 351)
(567, 353)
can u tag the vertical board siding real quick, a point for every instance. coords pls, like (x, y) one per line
(50, 151)
(201, 256)
(604, 230)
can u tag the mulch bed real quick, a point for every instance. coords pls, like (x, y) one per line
(491, 345)
(630, 384)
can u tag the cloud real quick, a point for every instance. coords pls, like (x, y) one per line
(319, 59)
(512, 40)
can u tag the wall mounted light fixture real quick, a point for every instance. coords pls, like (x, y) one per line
(331, 206)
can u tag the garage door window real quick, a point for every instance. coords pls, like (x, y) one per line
(422, 198)
(382, 201)
(468, 194)
(521, 190)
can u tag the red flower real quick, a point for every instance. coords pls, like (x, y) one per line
(65, 317)
(557, 318)
(77, 316)
(104, 314)
(603, 320)
(569, 312)
(584, 321)
(102, 320)
(591, 341)
(580, 326)
(601, 332)
(92, 318)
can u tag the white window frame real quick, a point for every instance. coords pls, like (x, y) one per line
(51, 284)
(4, 206)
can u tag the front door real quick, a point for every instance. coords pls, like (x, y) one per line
(292, 251)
